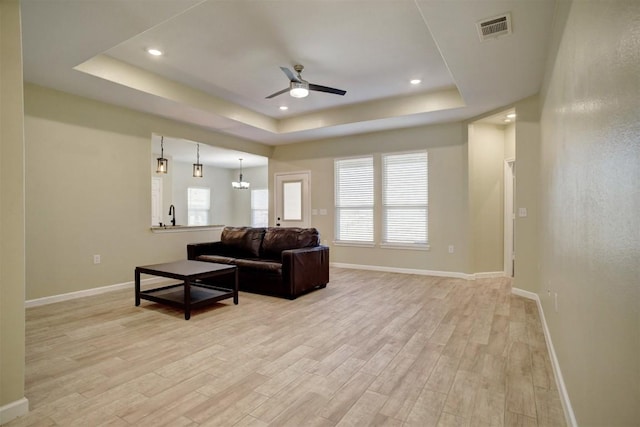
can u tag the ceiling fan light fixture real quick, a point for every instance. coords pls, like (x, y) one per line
(299, 89)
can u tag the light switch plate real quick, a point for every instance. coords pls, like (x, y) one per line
(522, 212)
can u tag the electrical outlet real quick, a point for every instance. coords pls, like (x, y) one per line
(96, 259)
(452, 249)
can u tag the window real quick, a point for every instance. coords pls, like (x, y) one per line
(405, 199)
(260, 208)
(354, 199)
(198, 205)
(292, 201)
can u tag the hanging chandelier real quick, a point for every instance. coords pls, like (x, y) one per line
(240, 184)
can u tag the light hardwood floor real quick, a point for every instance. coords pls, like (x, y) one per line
(371, 349)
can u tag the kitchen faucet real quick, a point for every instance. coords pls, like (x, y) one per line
(172, 211)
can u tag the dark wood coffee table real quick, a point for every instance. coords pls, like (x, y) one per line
(191, 293)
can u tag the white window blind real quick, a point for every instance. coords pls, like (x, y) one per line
(198, 205)
(405, 198)
(260, 208)
(354, 199)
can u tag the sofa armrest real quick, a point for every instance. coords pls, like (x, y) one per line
(305, 268)
(194, 250)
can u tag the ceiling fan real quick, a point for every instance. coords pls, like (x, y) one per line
(299, 88)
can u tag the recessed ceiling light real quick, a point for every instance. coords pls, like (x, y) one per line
(511, 115)
(284, 107)
(154, 52)
(415, 81)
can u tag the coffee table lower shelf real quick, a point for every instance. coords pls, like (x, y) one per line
(173, 295)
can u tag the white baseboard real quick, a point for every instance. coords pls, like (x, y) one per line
(453, 274)
(489, 275)
(527, 295)
(14, 410)
(569, 415)
(88, 292)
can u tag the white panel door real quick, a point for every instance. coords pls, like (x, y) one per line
(292, 199)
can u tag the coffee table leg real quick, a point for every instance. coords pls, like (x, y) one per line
(187, 299)
(235, 289)
(137, 287)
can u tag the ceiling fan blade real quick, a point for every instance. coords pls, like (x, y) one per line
(326, 89)
(280, 92)
(290, 74)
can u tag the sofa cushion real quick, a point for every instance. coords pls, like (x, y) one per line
(278, 239)
(216, 258)
(266, 266)
(244, 241)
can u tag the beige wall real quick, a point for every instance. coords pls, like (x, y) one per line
(486, 196)
(448, 195)
(510, 141)
(527, 189)
(12, 214)
(88, 191)
(590, 200)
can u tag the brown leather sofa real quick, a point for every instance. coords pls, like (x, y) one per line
(285, 262)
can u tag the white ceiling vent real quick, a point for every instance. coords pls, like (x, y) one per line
(494, 27)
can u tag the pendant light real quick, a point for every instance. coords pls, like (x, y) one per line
(163, 164)
(240, 184)
(197, 166)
